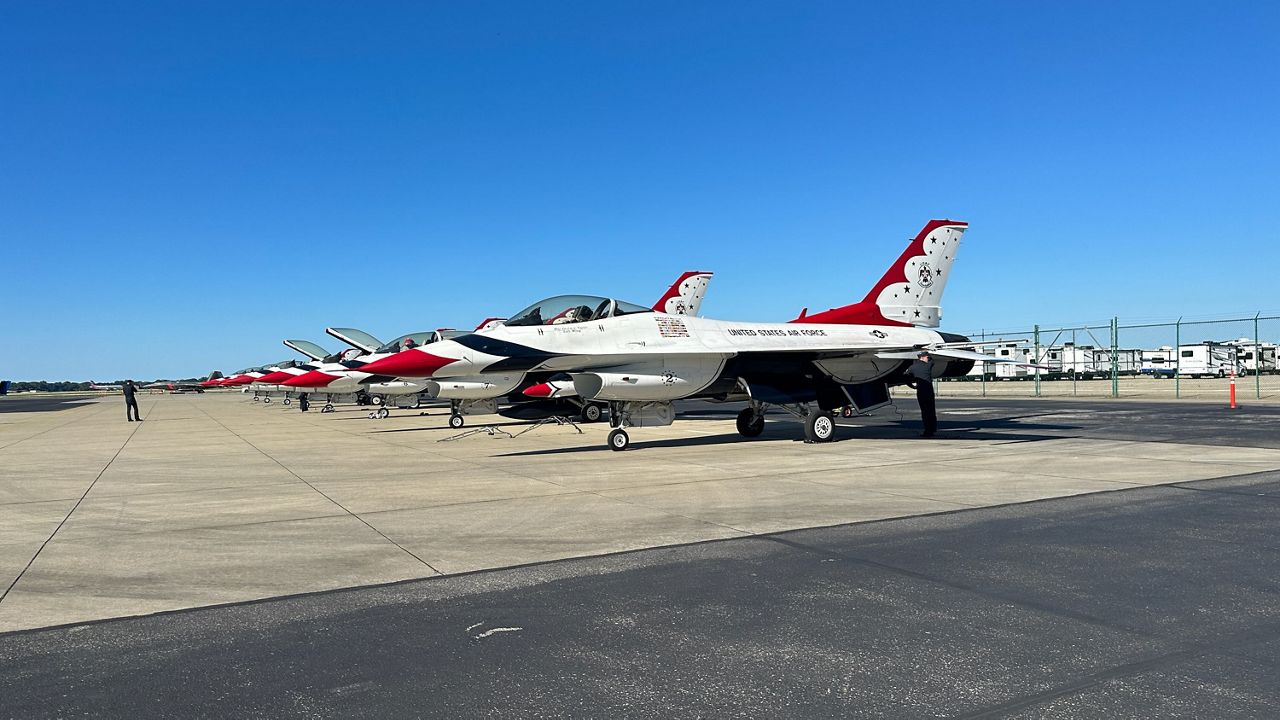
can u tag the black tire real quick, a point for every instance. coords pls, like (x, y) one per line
(750, 423)
(456, 421)
(287, 401)
(327, 408)
(266, 401)
(619, 440)
(847, 412)
(383, 413)
(819, 427)
(376, 399)
(592, 412)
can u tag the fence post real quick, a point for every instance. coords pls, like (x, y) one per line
(984, 365)
(1075, 357)
(1038, 363)
(1257, 360)
(1115, 357)
(1177, 363)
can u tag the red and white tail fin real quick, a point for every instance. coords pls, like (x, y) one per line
(910, 293)
(684, 297)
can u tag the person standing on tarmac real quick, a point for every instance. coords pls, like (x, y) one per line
(921, 372)
(131, 402)
(304, 402)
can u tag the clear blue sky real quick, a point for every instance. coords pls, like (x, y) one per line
(183, 185)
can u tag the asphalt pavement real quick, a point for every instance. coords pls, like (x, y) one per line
(1153, 602)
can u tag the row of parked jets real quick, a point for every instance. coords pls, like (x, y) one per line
(598, 357)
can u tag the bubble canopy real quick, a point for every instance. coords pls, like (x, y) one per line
(415, 339)
(566, 309)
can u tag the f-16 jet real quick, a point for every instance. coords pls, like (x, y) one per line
(640, 360)
(479, 392)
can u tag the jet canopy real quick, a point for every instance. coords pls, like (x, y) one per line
(567, 309)
(405, 342)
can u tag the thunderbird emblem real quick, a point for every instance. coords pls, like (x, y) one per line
(880, 334)
(926, 275)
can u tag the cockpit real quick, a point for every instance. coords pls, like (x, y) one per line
(569, 309)
(407, 342)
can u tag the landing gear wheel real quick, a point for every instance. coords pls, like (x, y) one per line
(819, 427)
(266, 401)
(382, 413)
(750, 423)
(456, 421)
(328, 408)
(591, 413)
(256, 398)
(847, 412)
(619, 440)
(376, 399)
(287, 401)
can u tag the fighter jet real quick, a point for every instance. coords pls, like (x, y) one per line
(178, 386)
(341, 374)
(479, 392)
(640, 360)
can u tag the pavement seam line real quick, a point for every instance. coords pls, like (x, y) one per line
(1016, 602)
(99, 409)
(1252, 636)
(321, 493)
(70, 512)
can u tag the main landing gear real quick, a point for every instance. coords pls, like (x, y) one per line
(819, 425)
(751, 421)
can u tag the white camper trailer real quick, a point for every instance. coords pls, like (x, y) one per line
(1207, 359)
(1159, 363)
(1256, 357)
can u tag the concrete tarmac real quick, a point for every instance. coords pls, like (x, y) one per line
(214, 499)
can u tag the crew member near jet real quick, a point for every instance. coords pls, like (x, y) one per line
(304, 402)
(921, 372)
(131, 402)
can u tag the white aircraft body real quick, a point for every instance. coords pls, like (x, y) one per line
(476, 393)
(640, 360)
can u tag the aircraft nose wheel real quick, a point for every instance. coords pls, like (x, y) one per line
(287, 401)
(619, 439)
(456, 421)
(819, 427)
(750, 423)
(328, 408)
(266, 401)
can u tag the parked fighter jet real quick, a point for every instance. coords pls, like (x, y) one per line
(180, 386)
(640, 361)
(479, 392)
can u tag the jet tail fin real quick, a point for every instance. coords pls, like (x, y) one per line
(910, 293)
(684, 297)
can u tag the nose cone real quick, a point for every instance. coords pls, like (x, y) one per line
(314, 378)
(273, 378)
(407, 363)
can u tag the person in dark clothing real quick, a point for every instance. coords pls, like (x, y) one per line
(921, 372)
(131, 402)
(304, 402)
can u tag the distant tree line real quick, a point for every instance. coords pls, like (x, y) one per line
(68, 386)
(46, 386)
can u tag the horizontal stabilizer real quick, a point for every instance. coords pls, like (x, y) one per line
(949, 353)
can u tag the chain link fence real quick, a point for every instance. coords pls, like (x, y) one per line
(1182, 359)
